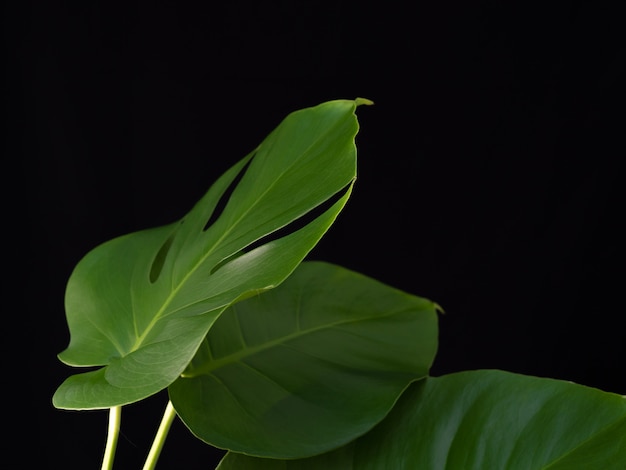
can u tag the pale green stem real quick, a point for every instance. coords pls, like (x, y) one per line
(159, 439)
(115, 416)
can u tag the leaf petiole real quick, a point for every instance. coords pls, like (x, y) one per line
(159, 439)
(115, 416)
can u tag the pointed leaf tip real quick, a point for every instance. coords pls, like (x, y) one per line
(365, 101)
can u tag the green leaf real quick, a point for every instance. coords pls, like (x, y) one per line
(141, 304)
(308, 366)
(478, 420)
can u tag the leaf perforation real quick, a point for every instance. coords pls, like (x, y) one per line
(224, 198)
(301, 221)
(159, 259)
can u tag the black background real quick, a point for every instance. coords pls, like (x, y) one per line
(490, 171)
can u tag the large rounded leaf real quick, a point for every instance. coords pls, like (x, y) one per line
(141, 304)
(481, 420)
(308, 366)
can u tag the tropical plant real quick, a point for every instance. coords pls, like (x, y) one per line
(290, 363)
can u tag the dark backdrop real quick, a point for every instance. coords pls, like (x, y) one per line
(490, 170)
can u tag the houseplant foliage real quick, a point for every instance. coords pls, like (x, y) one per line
(481, 419)
(290, 363)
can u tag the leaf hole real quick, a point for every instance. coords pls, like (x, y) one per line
(225, 197)
(227, 260)
(159, 259)
(288, 229)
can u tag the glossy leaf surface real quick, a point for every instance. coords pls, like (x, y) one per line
(139, 305)
(480, 420)
(307, 366)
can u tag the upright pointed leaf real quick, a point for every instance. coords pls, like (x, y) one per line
(480, 420)
(139, 305)
(308, 366)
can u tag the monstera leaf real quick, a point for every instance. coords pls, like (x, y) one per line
(139, 306)
(478, 420)
(308, 366)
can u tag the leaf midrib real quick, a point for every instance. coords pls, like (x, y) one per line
(248, 351)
